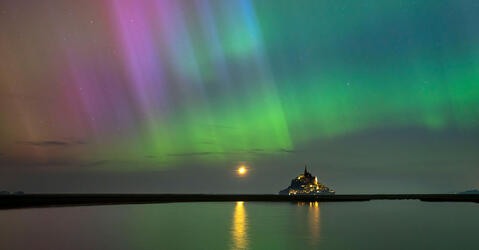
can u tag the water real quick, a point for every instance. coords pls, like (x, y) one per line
(248, 225)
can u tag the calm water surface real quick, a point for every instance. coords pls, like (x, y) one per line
(245, 225)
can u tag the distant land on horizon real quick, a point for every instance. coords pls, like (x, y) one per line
(473, 191)
(58, 200)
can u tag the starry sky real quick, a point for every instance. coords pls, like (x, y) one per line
(173, 96)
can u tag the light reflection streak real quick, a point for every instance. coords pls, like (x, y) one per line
(239, 229)
(314, 224)
(314, 221)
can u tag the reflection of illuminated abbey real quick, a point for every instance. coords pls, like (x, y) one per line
(306, 184)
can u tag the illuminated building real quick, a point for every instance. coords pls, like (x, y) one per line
(306, 184)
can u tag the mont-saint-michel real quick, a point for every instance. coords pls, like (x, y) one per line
(306, 184)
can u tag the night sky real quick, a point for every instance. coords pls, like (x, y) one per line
(173, 96)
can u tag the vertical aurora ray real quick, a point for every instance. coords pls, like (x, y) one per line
(168, 133)
(142, 60)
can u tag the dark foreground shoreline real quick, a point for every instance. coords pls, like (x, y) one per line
(59, 200)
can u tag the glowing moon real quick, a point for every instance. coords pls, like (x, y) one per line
(242, 170)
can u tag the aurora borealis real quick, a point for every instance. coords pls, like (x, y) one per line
(385, 90)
